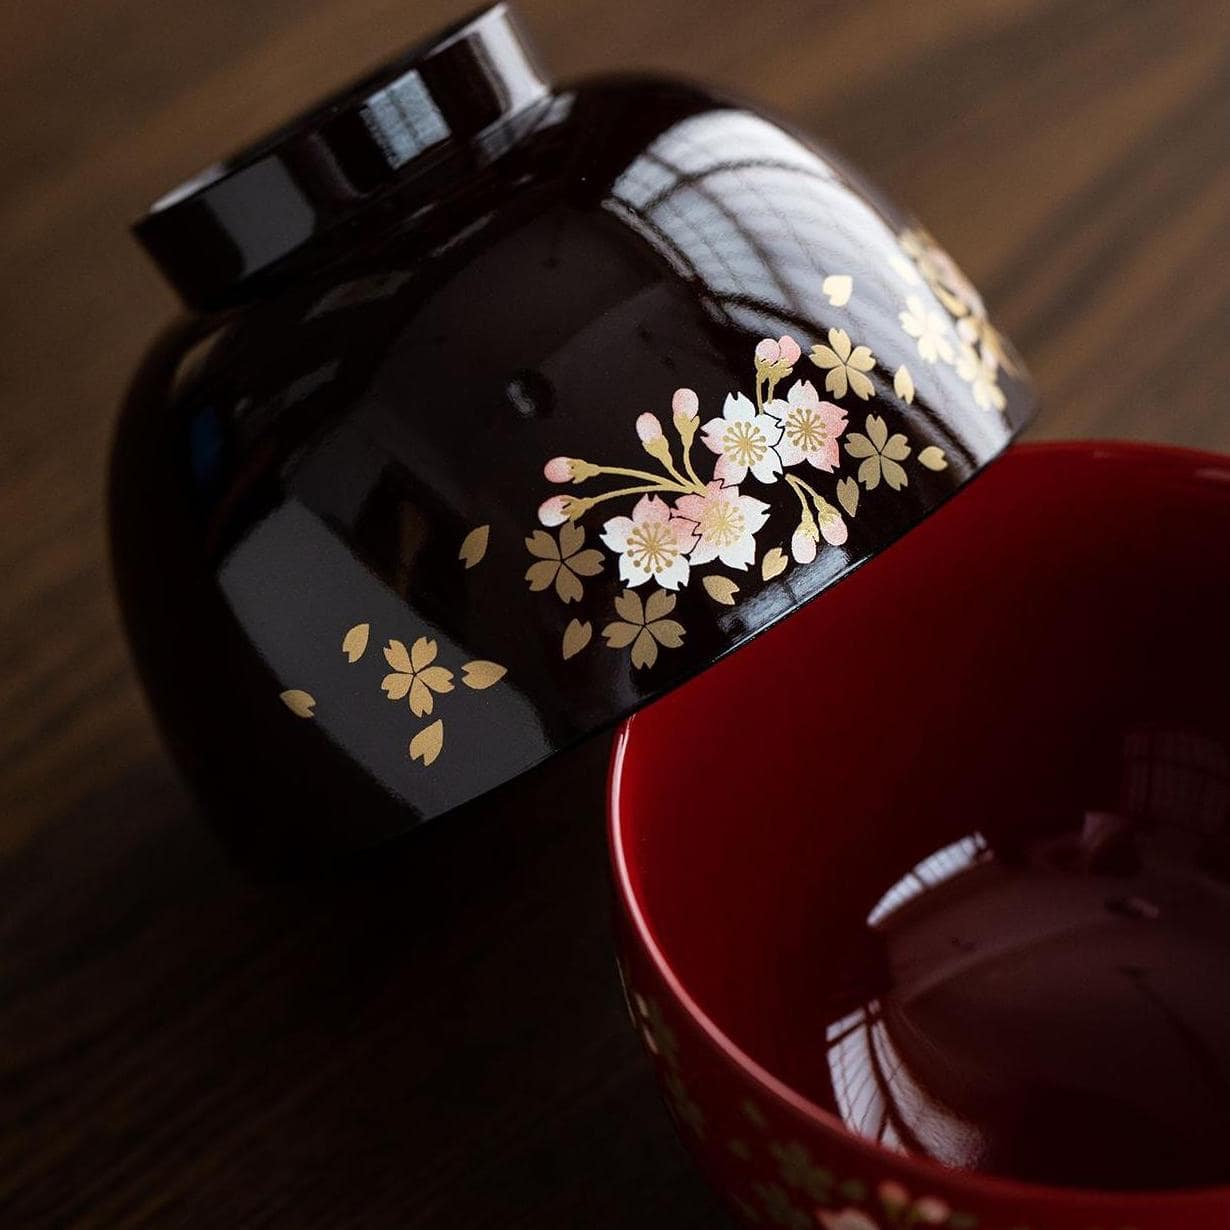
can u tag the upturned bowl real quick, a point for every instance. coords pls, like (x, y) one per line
(1030, 689)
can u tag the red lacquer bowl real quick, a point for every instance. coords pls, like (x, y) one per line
(1051, 649)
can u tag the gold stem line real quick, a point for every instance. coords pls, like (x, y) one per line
(657, 487)
(692, 483)
(645, 476)
(687, 465)
(795, 484)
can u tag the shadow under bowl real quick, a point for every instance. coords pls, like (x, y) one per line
(925, 893)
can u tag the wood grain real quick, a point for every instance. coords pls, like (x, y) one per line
(421, 1043)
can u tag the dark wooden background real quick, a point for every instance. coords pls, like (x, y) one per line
(437, 1041)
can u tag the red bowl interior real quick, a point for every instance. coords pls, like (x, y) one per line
(989, 664)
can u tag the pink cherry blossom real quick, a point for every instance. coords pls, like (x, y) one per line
(554, 511)
(651, 543)
(726, 524)
(785, 350)
(810, 427)
(743, 440)
(648, 428)
(686, 403)
(803, 545)
(833, 528)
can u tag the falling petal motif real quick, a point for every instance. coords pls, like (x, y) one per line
(773, 564)
(576, 636)
(299, 702)
(354, 643)
(847, 495)
(480, 675)
(720, 589)
(903, 385)
(474, 546)
(428, 743)
(837, 288)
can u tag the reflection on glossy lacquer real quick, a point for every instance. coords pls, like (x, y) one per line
(1051, 1000)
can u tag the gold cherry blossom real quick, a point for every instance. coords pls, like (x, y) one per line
(414, 673)
(882, 454)
(928, 329)
(847, 365)
(644, 626)
(563, 562)
(980, 371)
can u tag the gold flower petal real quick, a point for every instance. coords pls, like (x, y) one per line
(668, 632)
(837, 288)
(586, 563)
(576, 637)
(567, 585)
(877, 431)
(354, 643)
(903, 384)
(421, 702)
(894, 475)
(660, 603)
(438, 678)
(773, 564)
(480, 674)
(839, 339)
(396, 656)
(541, 574)
(847, 495)
(428, 743)
(571, 539)
(720, 589)
(396, 686)
(857, 445)
(422, 653)
(861, 385)
(628, 606)
(861, 359)
(869, 472)
(541, 544)
(933, 458)
(897, 448)
(474, 546)
(644, 649)
(835, 382)
(299, 702)
(822, 356)
(620, 635)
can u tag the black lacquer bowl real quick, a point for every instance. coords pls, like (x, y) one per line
(502, 409)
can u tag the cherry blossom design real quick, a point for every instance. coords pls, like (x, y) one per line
(682, 518)
(651, 544)
(413, 672)
(725, 524)
(744, 439)
(810, 427)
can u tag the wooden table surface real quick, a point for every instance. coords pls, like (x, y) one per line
(180, 1047)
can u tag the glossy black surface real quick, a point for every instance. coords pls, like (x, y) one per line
(460, 99)
(315, 461)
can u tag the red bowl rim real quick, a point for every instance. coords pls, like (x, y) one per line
(925, 1172)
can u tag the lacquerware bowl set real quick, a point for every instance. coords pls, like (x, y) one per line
(503, 409)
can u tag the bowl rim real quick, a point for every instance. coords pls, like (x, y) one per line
(924, 1171)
